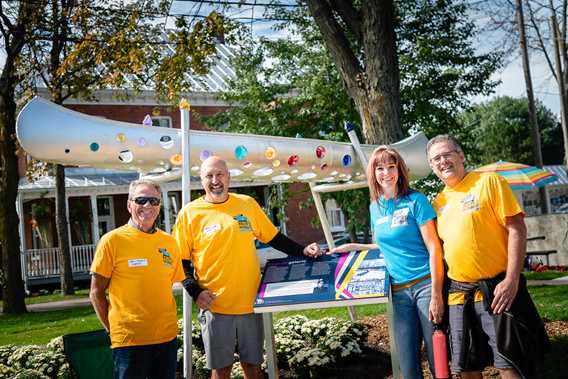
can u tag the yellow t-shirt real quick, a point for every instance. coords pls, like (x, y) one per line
(219, 240)
(142, 268)
(471, 224)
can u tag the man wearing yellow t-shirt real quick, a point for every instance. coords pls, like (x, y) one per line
(138, 265)
(216, 235)
(483, 232)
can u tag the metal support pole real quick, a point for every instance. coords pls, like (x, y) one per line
(350, 129)
(166, 204)
(186, 198)
(327, 233)
(269, 346)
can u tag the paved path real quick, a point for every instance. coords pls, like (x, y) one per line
(85, 302)
(75, 303)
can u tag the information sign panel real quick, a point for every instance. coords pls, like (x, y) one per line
(329, 281)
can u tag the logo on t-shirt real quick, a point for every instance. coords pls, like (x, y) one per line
(400, 217)
(166, 258)
(244, 224)
(469, 204)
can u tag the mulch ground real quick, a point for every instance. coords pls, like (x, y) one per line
(378, 344)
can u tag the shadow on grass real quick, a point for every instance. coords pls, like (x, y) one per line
(555, 360)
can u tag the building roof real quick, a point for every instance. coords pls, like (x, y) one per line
(560, 172)
(84, 181)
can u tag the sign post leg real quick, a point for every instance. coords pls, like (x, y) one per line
(269, 346)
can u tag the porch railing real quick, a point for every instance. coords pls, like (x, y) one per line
(41, 263)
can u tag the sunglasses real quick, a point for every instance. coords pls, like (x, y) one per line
(142, 200)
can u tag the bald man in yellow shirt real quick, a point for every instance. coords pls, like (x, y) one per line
(483, 232)
(216, 236)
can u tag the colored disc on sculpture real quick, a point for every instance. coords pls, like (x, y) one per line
(67, 151)
(320, 152)
(147, 120)
(276, 163)
(141, 142)
(166, 142)
(125, 156)
(265, 171)
(235, 172)
(204, 155)
(241, 152)
(281, 178)
(293, 159)
(270, 152)
(347, 160)
(307, 176)
(94, 146)
(120, 137)
(176, 159)
(323, 166)
(247, 164)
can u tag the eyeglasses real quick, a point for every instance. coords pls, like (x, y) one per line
(446, 155)
(142, 200)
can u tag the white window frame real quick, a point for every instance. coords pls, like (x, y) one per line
(335, 216)
(158, 118)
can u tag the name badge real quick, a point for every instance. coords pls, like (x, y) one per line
(210, 229)
(469, 204)
(141, 262)
(382, 220)
(400, 217)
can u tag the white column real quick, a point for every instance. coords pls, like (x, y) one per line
(166, 204)
(22, 232)
(95, 221)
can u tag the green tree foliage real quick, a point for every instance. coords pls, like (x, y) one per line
(440, 69)
(500, 130)
(291, 86)
(74, 48)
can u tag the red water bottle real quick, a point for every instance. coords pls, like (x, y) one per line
(440, 353)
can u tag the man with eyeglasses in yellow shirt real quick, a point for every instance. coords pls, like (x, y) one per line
(483, 232)
(138, 264)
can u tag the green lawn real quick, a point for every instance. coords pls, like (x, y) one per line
(40, 327)
(551, 301)
(545, 275)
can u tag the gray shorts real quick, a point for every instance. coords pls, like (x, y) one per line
(223, 335)
(456, 332)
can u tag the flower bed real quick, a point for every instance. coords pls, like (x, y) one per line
(304, 347)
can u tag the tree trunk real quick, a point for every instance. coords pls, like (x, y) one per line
(381, 118)
(530, 97)
(13, 293)
(373, 82)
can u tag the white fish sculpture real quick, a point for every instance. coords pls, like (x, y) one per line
(52, 133)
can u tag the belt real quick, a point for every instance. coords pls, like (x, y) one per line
(401, 286)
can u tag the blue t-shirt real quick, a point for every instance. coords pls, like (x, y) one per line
(396, 229)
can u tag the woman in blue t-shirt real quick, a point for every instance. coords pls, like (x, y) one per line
(402, 221)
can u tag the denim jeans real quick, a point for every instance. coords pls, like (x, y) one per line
(411, 326)
(147, 361)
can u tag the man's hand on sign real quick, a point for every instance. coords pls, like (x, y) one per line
(313, 250)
